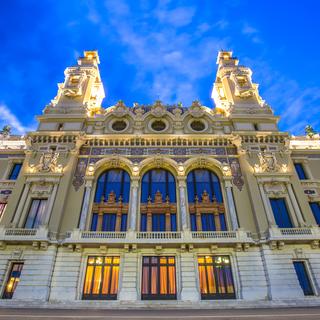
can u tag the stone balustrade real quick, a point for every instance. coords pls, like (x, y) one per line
(179, 237)
(22, 234)
(296, 234)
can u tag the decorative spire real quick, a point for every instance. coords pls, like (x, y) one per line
(233, 90)
(82, 90)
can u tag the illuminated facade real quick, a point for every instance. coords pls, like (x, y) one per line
(159, 203)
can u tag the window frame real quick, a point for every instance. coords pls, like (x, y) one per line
(100, 296)
(158, 265)
(290, 217)
(12, 169)
(218, 192)
(37, 212)
(314, 215)
(8, 276)
(2, 208)
(101, 191)
(301, 172)
(308, 275)
(147, 193)
(216, 296)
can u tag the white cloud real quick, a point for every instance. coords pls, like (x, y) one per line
(178, 17)
(8, 118)
(249, 30)
(296, 105)
(169, 63)
(252, 33)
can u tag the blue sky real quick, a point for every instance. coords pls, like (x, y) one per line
(160, 49)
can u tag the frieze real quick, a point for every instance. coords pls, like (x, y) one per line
(85, 151)
(211, 151)
(136, 160)
(140, 151)
(237, 178)
(180, 160)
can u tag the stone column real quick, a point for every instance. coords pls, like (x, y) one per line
(183, 205)
(231, 206)
(267, 206)
(295, 204)
(85, 205)
(50, 204)
(128, 286)
(21, 205)
(188, 276)
(133, 204)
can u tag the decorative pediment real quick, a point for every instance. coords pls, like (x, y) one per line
(158, 109)
(120, 109)
(196, 110)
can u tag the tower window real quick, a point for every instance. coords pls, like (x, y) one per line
(255, 126)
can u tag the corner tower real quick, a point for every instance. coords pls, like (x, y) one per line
(236, 96)
(82, 90)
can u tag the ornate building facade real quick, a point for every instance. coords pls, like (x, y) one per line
(151, 203)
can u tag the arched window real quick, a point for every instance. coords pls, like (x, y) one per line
(158, 201)
(206, 208)
(111, 201)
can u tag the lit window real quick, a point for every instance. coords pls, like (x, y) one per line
(102, 278)
(158, 278)
(215, 277)
(158, 201)
(315, 207)
(2, 208)
(36, 215)
(206, 208)
(111, 201)
(15, 171)
(300, 171)
(13, 280)
(280, 212)
(303, 277)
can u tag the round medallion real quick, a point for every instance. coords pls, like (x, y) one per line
(119, 125)
(197, 125)
(158, 125)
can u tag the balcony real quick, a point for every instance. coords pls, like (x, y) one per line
(304, 234)
(23, 235)
(131, 237)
